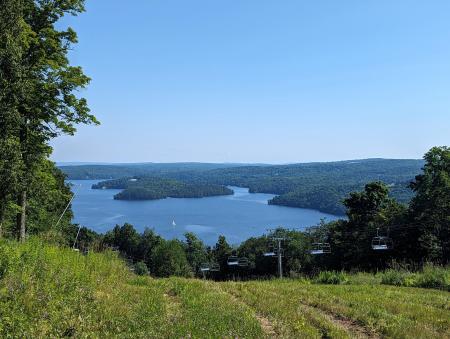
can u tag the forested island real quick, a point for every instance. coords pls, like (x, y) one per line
(320, 186)
(153, 188)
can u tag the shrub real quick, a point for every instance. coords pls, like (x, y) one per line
(331, 277)
(434, 277)
(140, 268)
(430, 277)
(393, 277)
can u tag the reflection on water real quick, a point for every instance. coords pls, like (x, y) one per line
(237, 216)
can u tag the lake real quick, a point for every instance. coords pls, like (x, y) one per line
(237, 216)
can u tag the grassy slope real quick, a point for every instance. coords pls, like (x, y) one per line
(51, 292)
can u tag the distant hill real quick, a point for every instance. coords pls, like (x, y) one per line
(318, 185)
(85, 171)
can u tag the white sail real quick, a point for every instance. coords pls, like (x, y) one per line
(173, 223)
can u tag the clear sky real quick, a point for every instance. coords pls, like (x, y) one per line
(262, 81)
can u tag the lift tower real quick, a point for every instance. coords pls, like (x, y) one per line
(278, 252)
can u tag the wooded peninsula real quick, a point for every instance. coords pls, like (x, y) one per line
(153, 188)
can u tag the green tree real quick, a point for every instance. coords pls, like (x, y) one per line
(148, 241)
(46, 104)
(367, 210)
(11, 88)
(126, 238)
(221, 251)
(368, 206)
(10, 166)
(196, 253)
(430, 208)
(169, 259)
(49, 195)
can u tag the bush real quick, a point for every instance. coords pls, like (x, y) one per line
(394, 277)
(430, 277)
(434, 277)
(140, 268)
(331, 277)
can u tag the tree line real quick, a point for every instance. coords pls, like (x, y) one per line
(419, 231)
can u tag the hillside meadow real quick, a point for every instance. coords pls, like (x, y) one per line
(47, 291)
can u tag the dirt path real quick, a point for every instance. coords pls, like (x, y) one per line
(173, 305)
(264, 322)
(350, 326)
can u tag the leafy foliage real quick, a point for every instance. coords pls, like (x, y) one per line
(431, 205)
(429, 277)
(140, 268)
(331, 277)
(39, 100)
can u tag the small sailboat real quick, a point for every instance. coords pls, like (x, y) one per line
(173, 223)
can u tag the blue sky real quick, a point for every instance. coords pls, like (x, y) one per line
(261, 81)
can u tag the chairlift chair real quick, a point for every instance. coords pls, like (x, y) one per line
(205, 267)
(381, 243)
(214, 267)
(243, 262)
(320, 248)
(270, 252)
(233, 261)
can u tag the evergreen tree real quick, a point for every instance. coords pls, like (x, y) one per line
(222, 250)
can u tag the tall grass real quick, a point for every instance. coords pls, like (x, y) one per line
(429, 277)
(300, 309)
(48, 292)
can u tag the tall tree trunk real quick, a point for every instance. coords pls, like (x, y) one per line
(2, 213)
(21, 217)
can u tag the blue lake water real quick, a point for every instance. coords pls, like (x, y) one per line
(237, 216)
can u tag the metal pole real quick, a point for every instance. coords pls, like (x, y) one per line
(280, 264)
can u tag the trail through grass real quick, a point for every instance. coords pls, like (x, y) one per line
(368, 310)
(52, 292)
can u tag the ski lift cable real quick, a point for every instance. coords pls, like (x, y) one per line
(65, 209)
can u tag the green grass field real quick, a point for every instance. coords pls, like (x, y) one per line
(52, 292)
